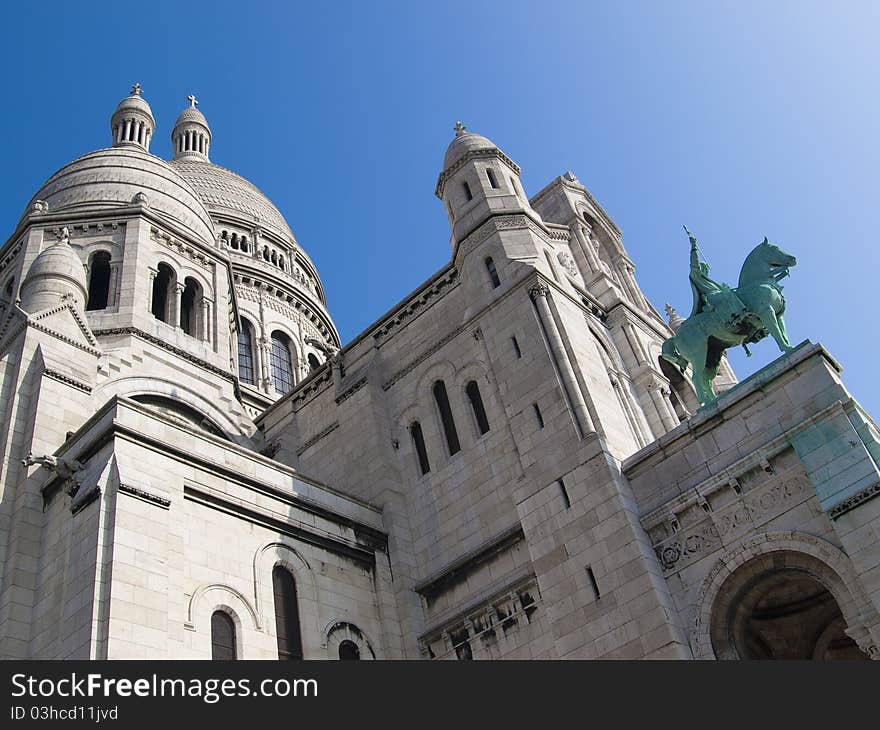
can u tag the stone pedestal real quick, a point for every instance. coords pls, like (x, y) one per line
(761, 511)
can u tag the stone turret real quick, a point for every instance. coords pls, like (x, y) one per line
(191, 136)
(132, 123)
(56, 273)
(478, 181)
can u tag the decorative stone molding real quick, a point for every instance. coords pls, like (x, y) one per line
(539, 291)
(863, 495)
(467, 157)
(145, 496)
(413, 364)
(67, 380)
(317, 437)
(413, 306)
(135, 332)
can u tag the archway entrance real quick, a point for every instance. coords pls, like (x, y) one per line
(775, 607)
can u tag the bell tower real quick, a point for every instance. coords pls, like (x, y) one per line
(478, 181)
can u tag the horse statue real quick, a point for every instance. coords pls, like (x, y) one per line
(723, 317)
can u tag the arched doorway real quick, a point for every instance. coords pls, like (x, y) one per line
(778, 606)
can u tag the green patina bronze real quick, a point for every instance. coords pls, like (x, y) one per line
(722, 317)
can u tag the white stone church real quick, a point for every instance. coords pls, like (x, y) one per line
(194, 465)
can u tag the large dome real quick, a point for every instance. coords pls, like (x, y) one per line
(112, 177)
(226, 192)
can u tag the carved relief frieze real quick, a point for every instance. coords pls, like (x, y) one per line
(181, 248)
(680, 539)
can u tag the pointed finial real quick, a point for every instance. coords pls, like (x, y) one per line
(675, 319)
(136, 89)
(460, 129)
(192, 101)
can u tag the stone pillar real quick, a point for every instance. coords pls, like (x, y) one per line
(126, 130)
(539, 295)
(178, 292)
(206, 320)
(660, 397)
(587, 246)
(153, 275)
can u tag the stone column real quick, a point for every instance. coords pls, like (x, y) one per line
(178, 292)
(126, 130)
(153, 275)
(206, 320)
(586, 245)
(660, 397)
(539, 295)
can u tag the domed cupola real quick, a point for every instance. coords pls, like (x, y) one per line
(191, 136)
(55, 273)
(132, 123)
(478, 181)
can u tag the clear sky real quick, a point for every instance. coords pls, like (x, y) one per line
(741, 119)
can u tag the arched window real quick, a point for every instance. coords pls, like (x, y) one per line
(314, 363)
(222, 636)
(418, 438)
(446, 417)
(246, 352)
(165, 278)
(349, 650)
(99, 281)
(493, 273)
(286, 614)
(265, 253)
(473, 394)
(244, 244)
(189, 304)
(282, 363)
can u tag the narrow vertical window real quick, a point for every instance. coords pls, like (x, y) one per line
(513, 184)
(419, 444)
(245, 353)
(491, 175)
(286, 614)
(473, 394)
(189, 301)
(281, 362)
(564, 492)
(593, 584)
(222, 636)
(99, 281)
(161, 286)
(446, 417)
(516, 349)
(467, 191)
(348, 650)
(493, 272)
(538, 417)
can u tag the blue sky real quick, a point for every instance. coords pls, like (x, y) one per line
(741, 119)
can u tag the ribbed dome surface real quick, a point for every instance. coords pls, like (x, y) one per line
(112, 177)
(134, 102)
(224, 191)
(191, 114)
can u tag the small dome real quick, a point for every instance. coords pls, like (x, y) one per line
(57, 271)
(132, 123)
(191, 114)
(191, 135)
(464, 142)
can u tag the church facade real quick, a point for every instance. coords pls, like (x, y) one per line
(501, 466)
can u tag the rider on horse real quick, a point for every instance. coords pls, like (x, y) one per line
(710, 296)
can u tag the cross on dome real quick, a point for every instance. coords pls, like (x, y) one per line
(460, 129)
(136, 89)
(192, 101)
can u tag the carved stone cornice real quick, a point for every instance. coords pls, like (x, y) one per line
(850, 503)
(539, 291)
(145, 496)
(139, 333)
(317, 437)
(421, 357)
(467, 157)
(413, 306)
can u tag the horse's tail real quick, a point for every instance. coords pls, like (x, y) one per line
(671, 354)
